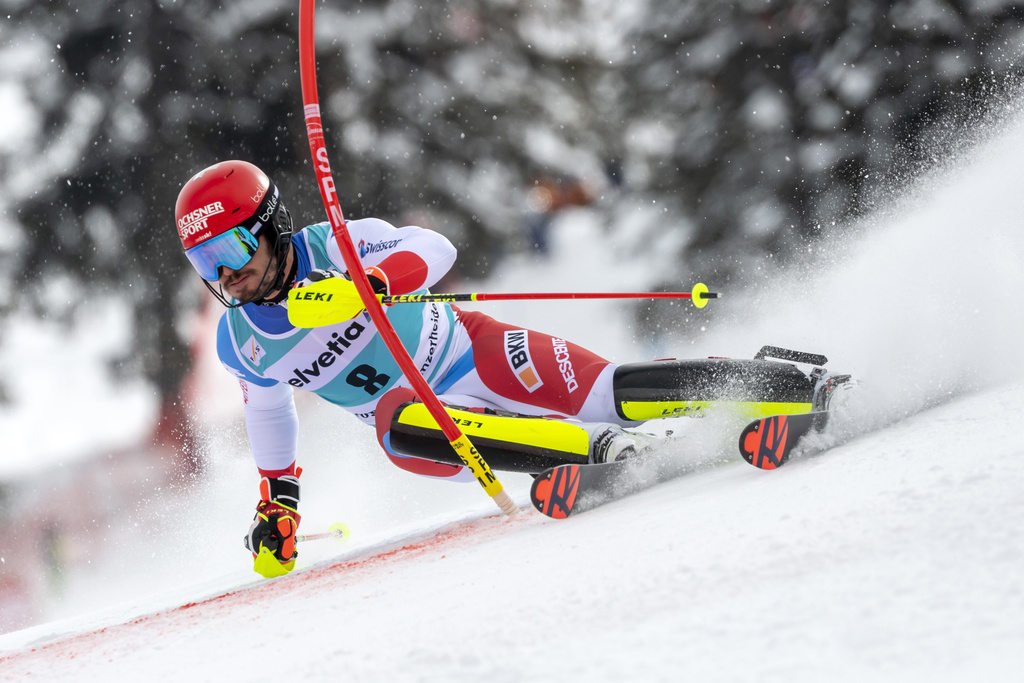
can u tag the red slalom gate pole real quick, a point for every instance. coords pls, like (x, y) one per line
(467, 453)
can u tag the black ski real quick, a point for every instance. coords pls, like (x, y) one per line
(566, 490)
(767, 443)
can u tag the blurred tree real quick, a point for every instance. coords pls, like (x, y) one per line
(778, 120)
(754, 126)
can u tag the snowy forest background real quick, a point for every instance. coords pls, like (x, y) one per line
(744, 130)
(781, 119)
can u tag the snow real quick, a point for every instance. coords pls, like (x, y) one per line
(895, 555)
(77, 397)
(18, 112)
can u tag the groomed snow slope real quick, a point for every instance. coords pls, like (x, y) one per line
(894, 557)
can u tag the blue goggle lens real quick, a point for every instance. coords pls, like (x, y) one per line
(232, 249)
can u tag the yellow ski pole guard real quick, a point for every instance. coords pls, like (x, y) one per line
(326, 302)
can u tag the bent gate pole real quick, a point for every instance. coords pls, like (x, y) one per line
(467, 453)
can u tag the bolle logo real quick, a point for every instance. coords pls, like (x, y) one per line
(271, 207)
(195, 221)
(336, 346)
(517, 352)
(564, 364)
(366, 248)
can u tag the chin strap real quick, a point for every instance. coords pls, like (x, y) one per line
(282, 283)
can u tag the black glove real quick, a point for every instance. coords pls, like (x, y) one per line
(377, 277)
(316, 276)
(379, 281)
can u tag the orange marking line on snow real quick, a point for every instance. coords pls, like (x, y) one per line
(72, 646)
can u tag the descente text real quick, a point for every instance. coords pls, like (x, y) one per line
(564, 364)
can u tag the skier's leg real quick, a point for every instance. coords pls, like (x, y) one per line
(512, 381)
(525, 371)
(530, 372)
(506, 441)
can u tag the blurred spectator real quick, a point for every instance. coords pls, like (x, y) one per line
(547, 197)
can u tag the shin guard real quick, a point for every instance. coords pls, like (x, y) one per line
(750, 388)
(507, 441)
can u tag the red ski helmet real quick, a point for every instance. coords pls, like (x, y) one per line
(221, 213)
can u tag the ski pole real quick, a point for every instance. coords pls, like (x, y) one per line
(333, 300)
(338, 531)
(699, 298)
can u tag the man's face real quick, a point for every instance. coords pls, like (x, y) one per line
(252, 278)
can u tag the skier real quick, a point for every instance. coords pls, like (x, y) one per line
(528, 400)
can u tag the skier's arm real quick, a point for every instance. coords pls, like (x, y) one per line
(411, 257)
(273, 427)
(273, 435)
(270, 417)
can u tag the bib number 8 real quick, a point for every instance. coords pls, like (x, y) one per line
(367, 378)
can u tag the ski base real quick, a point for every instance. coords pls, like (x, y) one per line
(767, 443)
(565, 490)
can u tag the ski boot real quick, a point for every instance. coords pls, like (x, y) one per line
(830, 391)
(611, 443)
(827, 386)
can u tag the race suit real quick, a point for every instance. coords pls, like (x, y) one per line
(467, 358)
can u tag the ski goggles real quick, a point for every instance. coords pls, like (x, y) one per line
(232, 249)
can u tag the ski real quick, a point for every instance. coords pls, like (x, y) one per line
(767, 443)
(565, 490)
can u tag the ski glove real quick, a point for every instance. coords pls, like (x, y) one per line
(316, 276)
(379, 281)
(271, 538)
(377, 277)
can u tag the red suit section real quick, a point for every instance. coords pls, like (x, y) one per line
(531, 367)
(386, 408)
